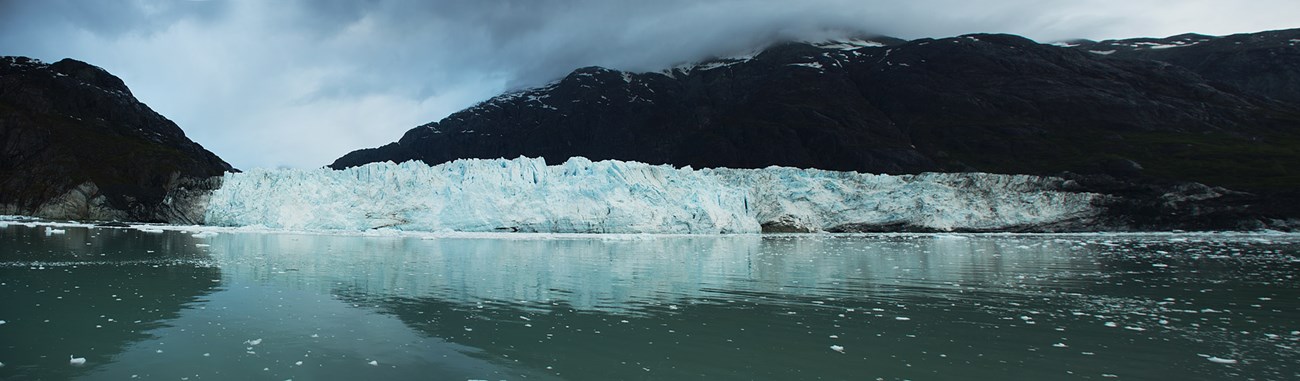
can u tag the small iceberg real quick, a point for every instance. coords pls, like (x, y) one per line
(1220, 360)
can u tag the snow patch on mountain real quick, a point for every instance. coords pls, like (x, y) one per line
(846, 44)
(581, 196)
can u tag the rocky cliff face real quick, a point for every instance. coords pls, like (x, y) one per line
(75, 144)
(1140, 129)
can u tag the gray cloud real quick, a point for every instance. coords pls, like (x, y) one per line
(300, 82)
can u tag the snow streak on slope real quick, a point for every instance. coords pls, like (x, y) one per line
(627, 197)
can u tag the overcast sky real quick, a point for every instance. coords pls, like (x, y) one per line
(298, 83)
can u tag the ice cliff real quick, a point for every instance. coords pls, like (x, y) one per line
(612, 196)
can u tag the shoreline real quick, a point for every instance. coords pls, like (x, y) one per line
(208, 231)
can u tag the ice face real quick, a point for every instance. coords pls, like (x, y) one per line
(581, 196)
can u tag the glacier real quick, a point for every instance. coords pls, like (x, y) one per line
(611, 196)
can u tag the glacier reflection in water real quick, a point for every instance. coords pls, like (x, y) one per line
(300, 306)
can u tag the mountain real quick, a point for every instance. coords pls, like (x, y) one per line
(1177, 149)
(1266, 63)
(76, 144)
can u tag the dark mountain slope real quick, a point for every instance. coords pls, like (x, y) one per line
(1134, 128)
(1266, 63)
(75, 144)
(982, 102)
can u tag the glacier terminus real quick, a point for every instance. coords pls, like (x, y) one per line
(611, 196)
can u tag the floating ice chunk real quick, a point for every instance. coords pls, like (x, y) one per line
(52, 231)
(298, 363)
(2, 322)
(902, 318)
(837, 348)
(150, 230)
(76, 361)
(1060, 345)
(373, 363)
(1220, 360)
(1159, 265)
(1110, 324)
(253, 342)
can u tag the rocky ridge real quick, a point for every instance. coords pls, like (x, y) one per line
(76, 144)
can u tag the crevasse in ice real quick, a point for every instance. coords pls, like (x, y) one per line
(611, 196)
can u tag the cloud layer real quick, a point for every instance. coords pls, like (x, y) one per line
(300, 82)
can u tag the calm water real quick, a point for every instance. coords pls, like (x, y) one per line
(173, 306)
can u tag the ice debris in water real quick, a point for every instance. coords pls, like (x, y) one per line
(581, 196)
(373, 362)
(2, 322)
(76, 361)
(1219, 360)
(253, 342)
(52, 231)
(837, 348)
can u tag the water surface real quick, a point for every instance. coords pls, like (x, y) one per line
(180, 305)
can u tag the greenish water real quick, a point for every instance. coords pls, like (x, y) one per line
(257, 306)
